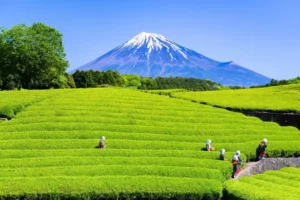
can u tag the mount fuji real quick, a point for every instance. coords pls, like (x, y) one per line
(152, 55)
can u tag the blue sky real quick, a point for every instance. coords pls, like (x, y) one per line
(261, 35)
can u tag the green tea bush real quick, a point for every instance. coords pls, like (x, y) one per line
(278, 98)
(155, 146)
(271, 185)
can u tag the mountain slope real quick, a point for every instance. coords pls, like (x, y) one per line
(149, 54)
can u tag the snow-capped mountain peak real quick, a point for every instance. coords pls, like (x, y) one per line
(153, 42)
(151, 54)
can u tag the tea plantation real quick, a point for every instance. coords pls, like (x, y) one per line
(154, 145)
(276, 98)
(282, 184)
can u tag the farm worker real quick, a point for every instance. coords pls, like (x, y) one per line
(236, 161)
(262, 149)
(101, 143)
(222, 154)
(208, 146)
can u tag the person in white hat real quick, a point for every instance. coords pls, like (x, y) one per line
(101, 143)
(208, 146)
(222, 154)
(236, 161)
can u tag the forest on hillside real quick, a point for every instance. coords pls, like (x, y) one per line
(90, 78)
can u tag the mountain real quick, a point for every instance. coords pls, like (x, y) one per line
(150, 54)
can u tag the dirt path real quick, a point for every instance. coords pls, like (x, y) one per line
(261, 166)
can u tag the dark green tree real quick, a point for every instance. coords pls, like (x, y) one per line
(87, 79)
(80, 79)
(99, 77)
(148, 84)
(11, 82)
(119, 81)
(178, 82)
(273, 82)
(90, 77)
(109, 78)
(35, 54)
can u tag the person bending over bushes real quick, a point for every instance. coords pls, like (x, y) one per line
(101, 143)
(208, 146)
(236, 161)
(222, 154)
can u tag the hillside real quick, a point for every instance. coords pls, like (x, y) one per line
(276, 185)
(277, 98)
(154, 145)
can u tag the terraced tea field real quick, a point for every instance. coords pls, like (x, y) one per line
(165, 92)
(154, 145)
(12, 102)
(277, 98)
(277, 185)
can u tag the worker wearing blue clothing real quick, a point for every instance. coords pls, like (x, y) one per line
(102, 143)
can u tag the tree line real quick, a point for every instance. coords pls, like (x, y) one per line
(92, 79)
(274, 82)
(178, 82)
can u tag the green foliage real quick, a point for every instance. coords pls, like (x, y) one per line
(132, 80)
(165, 92)
(13, 102)
(11, 82)
(148, 84)
(32, 57)
(70, 81)
(185, 83)
(154, 145)
(274, 82)
(91, 79)
(272, 185)
(284, 98)
(177, 82)
(106, 187)
(7, 111)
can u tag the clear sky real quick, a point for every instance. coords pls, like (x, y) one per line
(261, 35)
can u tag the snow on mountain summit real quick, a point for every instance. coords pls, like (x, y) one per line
(152, 39)
(151, 54)
(153, 42)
